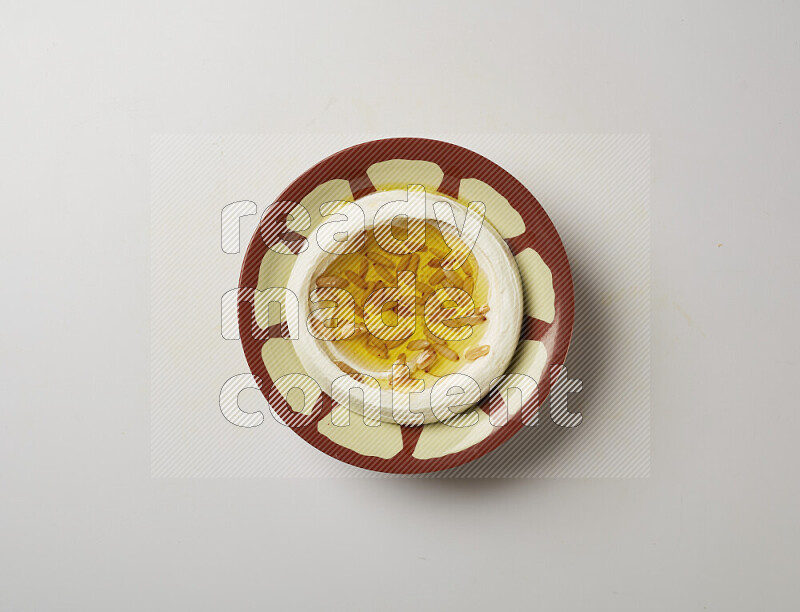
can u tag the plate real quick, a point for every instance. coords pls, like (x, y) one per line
(442, 168)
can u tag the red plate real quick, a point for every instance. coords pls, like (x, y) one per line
(552, 291)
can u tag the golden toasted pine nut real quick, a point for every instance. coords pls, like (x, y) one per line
(380, 259)
(446, 352)
(356, 279)
(406, 262)
(476, 352)
(442, 314)
(418, 345)
(405, 311)
(423, 288)
(425, 359)
(346, 368)
(437, 277)
(452, 277)
(377, 348)
(385, 273)
(431, 338)
(434, 263)
(374, 286)
(462, 321)
(331, 281)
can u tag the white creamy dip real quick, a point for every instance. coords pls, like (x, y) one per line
(503, 319)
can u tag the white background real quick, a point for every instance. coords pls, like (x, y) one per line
(84, 527)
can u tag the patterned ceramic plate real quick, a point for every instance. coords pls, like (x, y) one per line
(442, 169)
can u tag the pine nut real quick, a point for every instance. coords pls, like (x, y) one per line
(418, 345)
(377, 348)
(406, 311)
(462, 321)
(380, 259)
(425, 359)
(437, 277)
(476, 352)
(385, 273)
(446, 352)
(452, 277)
(431, 338)
(423, 288)
(345, 367)
(378, 284)
(408, 262)
(356, 279)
